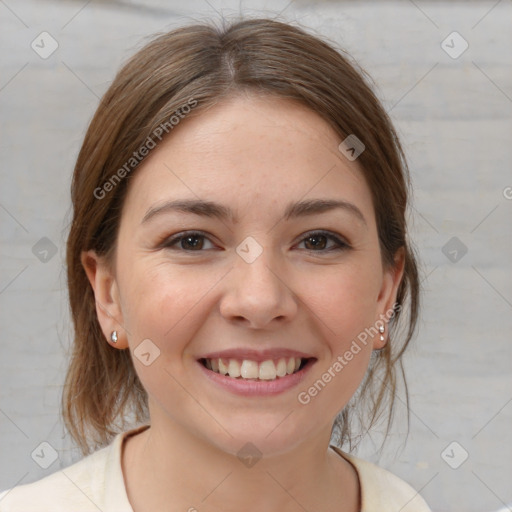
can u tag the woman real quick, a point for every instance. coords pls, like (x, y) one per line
(238, 267)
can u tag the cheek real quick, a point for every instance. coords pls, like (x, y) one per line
(162, 305)
(346, 355)
(160, 299)
(346, 299)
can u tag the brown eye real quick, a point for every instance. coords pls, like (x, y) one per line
(192, 241)
(318, 242)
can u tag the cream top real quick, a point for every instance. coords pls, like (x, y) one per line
(96, 483)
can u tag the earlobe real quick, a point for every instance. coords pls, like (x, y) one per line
(387, 297)
(108, 307)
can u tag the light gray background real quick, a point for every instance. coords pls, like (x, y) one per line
(455, 118)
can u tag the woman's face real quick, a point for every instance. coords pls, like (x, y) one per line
(255, 269)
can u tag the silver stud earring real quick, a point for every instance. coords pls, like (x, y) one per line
(113, 336)
(381, 330)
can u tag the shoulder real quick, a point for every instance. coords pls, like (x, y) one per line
(382, 491)
(91, 484)
(74, 488)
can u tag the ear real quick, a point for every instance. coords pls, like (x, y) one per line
(106, 295)
(387, 296)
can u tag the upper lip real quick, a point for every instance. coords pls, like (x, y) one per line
(256, 355)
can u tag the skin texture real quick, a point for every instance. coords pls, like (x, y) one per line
(254, 155)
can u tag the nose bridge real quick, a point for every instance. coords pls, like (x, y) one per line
(256, 290)
(256, 269)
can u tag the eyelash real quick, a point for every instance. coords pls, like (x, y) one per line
(169, 243)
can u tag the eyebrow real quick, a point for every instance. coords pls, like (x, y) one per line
(211, 209)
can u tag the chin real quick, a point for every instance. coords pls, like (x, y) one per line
(268, 436)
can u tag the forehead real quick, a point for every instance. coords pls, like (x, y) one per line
(249, 151)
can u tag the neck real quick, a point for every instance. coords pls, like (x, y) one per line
(167, 468)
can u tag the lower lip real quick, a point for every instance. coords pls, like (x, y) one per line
(257, 387)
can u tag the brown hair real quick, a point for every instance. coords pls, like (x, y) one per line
(208, 63)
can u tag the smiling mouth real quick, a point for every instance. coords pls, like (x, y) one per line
(252, 370)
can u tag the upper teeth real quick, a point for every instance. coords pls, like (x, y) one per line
(247, 369)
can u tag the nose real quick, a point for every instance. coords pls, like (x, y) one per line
(257, 294)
